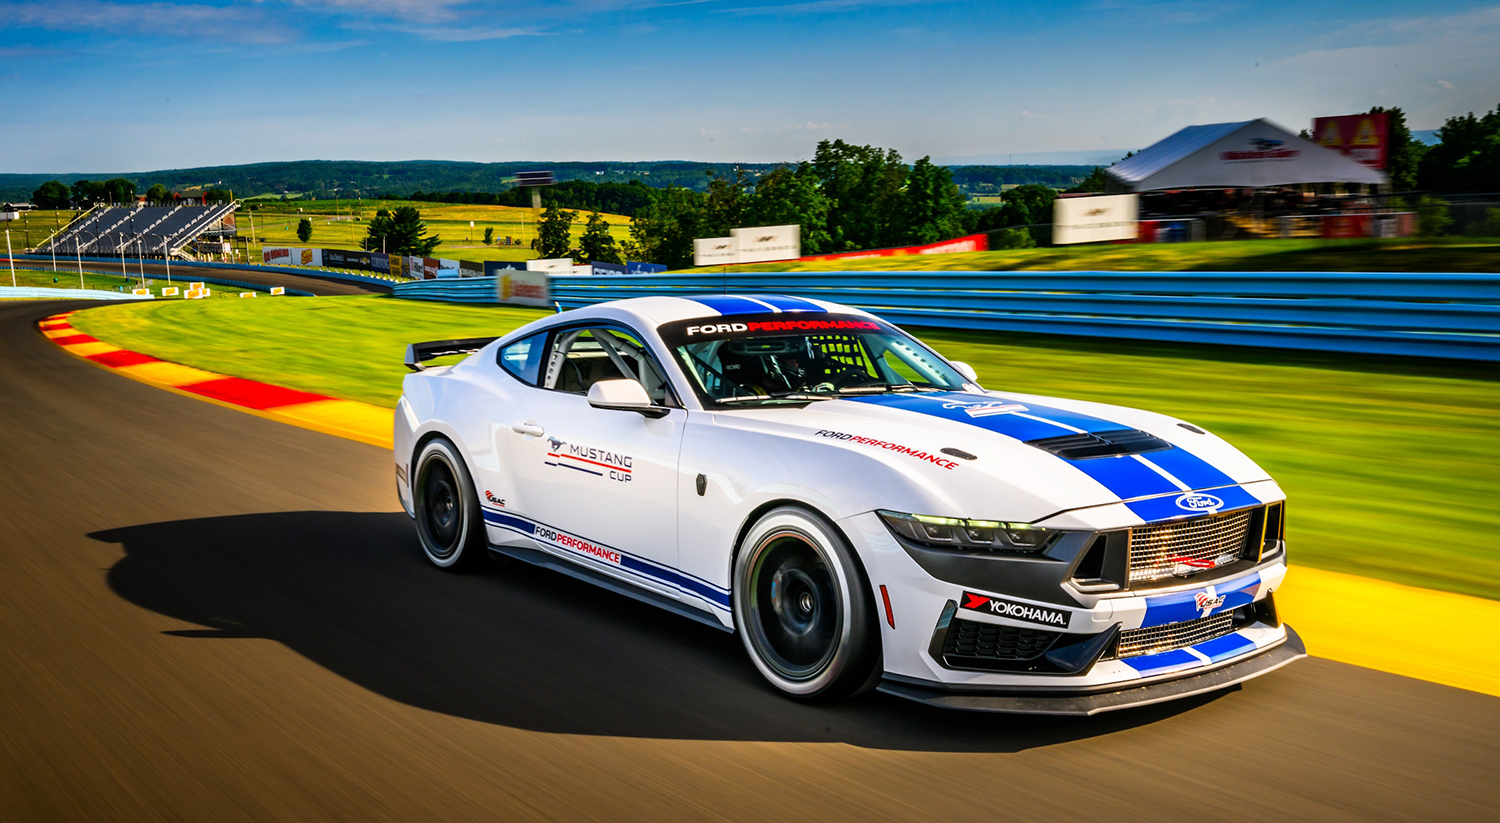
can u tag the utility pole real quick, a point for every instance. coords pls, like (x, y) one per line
(10, 257)
(166, 258)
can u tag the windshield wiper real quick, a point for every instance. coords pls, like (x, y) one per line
(903, 387)
(799, 396)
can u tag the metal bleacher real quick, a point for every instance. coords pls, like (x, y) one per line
(152, 230)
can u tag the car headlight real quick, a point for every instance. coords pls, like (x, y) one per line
(961, 533)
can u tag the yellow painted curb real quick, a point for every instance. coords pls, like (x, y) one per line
(344, 418)
(1435, 636)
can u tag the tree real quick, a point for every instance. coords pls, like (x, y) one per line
(1094, 182)
(597, 245)
(863, 186)
(217, 195)
(724, 206)
(51, 195)
(789, 195)
(930, 208)
(1467, 156)
(87, 193)
(400, 232)
(158, 195)
(1404, 154)
(304, 230)
(664, 230)
(554, 233)
(119, 190)
(489, 235)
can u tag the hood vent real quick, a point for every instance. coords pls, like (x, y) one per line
(1083, 446)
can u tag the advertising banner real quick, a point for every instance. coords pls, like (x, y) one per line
(716, 251)
(598, 268)
(632, 267)
(430, 268)
(524, 288)
(342, 259)
(276, 256)
(495, 268)
(1361, 137)
(561, 265)
(1094, 219)
(764, 244)
(307, 257)
(470, 268)
(972, 242)
(380, 262)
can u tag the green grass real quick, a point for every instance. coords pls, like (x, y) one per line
(1447, 254)
(344, 224)
(1392, 466)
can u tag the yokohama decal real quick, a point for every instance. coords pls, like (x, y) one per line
(1015, 611)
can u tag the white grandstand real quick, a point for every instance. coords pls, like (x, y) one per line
(150, 230)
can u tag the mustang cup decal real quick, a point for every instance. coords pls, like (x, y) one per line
(892, 447)
(1015, 611)
(589, 460)
(1199, 502)
(986, 409)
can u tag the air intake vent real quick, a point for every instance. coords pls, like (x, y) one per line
(1083, 446)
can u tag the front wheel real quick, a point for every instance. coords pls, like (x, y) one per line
(803, 607)
(449, 522)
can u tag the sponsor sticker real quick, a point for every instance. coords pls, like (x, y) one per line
(936, 460)
(568, 541)
(490, 496)
(1207, 600)
(1026, 612)
(783, 325)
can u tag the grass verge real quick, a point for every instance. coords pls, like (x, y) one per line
(65, 279)
(1392, 466)
(1448, 254)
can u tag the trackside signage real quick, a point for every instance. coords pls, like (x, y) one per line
(757, 244)
(524, 288)
(1094, 219)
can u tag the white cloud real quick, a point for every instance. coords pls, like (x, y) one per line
(165, 20)
(1445, 84)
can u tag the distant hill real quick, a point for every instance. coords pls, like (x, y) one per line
(326, 179)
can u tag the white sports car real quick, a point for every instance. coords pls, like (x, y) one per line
(858, 509)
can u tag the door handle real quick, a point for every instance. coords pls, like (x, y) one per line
(529, 427)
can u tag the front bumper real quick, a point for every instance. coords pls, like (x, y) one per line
(1019, 700)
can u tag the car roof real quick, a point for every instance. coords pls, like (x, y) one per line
(653, 312)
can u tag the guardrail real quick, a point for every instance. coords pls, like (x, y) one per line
(1431, 315)
(303, 271)
(192, 276)
(67, 294)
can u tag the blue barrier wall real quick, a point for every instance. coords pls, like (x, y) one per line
(1430, 315)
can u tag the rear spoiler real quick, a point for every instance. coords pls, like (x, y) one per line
(419, 353)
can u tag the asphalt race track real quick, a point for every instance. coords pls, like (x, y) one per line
(211, 616)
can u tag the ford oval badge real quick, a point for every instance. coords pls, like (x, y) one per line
(1195, 502)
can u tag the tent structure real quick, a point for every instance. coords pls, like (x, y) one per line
(1251, 154)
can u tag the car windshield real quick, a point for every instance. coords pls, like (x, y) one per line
(797, 358)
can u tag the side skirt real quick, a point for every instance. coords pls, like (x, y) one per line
(540, 558)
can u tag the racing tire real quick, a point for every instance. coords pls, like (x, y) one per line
(804, 608)
(450, 524)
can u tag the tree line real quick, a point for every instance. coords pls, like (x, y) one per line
(83, 194)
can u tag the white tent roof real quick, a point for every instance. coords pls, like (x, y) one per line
(1249, 154)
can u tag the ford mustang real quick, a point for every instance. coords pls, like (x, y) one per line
(858, 509)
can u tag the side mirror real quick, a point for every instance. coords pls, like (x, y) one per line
(966, 370)
(624, 395)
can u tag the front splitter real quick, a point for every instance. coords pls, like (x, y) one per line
(1271, 659)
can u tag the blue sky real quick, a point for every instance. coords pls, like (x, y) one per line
(97, 86)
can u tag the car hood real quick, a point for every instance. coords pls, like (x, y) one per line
(969, 452)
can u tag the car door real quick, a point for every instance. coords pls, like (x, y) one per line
(599, 485)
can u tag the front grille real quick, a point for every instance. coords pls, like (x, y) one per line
(1083, 446)
(986, 641)
(1136, 642)
(1187, 547)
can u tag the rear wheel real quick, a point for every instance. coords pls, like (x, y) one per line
(450, 525)
(803, 607)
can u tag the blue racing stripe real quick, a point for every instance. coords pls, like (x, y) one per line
(1172, 661)
(1156, 509)
(728, 305)
(785, 303)
(953, 405)
(1191, 469)
(1125, 476)
(629, 562)
(1181, 606)
(1223, 648)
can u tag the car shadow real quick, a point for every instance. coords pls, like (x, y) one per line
(514, 645)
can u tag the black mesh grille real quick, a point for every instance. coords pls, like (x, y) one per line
(1082, 446)
(984, 641)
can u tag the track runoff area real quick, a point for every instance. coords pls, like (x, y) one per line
(394, 693)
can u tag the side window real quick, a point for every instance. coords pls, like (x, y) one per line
(582, 357)
(523, 358)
